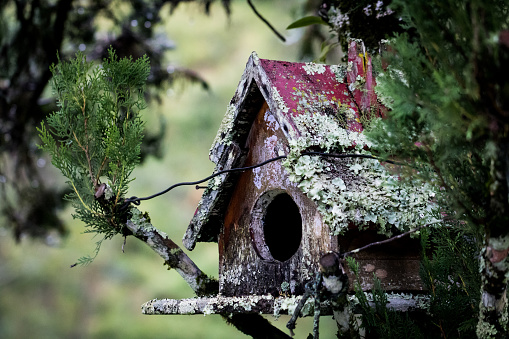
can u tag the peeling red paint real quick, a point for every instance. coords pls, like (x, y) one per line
(291, 77)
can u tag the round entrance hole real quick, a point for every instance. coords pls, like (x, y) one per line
(282, 227)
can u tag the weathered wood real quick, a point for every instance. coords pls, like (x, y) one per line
(396, 263)
(265, 304)
(274, 107)
(246, 263)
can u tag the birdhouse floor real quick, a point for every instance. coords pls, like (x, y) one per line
(265, 304)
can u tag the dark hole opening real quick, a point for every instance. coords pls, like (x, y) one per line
(282, 227)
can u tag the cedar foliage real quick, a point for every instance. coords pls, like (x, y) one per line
(446, 87)
(452, 279)
(450, 274)
(95, 136)
(379, 321)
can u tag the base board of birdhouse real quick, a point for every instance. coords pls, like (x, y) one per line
(265, 304)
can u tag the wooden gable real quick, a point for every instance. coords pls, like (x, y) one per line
(279, 104)
(260, 250)
(289, 90)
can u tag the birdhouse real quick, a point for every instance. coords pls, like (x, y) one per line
(296, 201)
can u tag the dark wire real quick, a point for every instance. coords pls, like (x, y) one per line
(137, 201)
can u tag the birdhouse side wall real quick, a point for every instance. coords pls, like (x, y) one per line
(262, 222)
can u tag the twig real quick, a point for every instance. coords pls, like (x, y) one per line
(282, 38)
(293, 320)
(376, 243)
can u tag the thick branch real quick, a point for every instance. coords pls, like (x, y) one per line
(251, 324)
(172, 254)
(493, 317)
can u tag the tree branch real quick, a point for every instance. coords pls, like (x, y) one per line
(172, 254)
(282, 38)
(251, 324)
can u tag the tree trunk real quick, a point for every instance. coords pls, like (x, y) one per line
(493, 317)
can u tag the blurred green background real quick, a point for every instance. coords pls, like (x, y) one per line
(41, 297)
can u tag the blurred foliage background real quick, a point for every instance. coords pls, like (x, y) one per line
(41, 297)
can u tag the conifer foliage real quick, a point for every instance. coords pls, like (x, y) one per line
(95, 136)
(446, 86)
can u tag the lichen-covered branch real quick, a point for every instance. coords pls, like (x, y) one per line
(335, 283)
(493, 309)
(251, 324)
(172, 254)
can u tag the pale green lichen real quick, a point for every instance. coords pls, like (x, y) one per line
(234, 276)
(225, 133)
(108, 192)
(311, 68)
(285, 287)
(279, 100)
(485, 329)
(353, 190)
(349, 66)
(139, 223)
(397, 301)
(339, 71)
(215, 182)
(288, 305)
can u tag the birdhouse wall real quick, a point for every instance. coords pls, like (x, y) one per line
(273, 234)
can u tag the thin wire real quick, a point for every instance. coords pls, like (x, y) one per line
(135, 200)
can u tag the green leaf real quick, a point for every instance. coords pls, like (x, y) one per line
(307, 21)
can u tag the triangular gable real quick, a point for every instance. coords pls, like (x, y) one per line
(289, 89)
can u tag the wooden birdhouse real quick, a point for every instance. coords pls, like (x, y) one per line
(274, 221)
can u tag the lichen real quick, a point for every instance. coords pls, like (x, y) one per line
(485, 329)
(339, 71)
(398, 301)
(139, 222)
(234, 276)
(225, 133)
(289, 304)
(353, 190)
(285, 287)
(256, 59)
(311, 68)
(279, 100)
(215, 182)
(108, 192)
